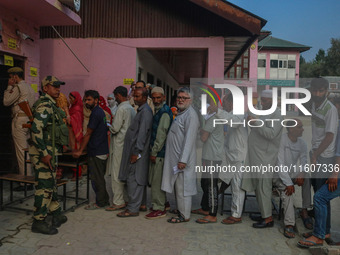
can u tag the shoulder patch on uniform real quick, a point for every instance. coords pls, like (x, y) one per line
(44, 116)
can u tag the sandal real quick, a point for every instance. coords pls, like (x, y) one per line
(115, 207)
(310, 243)
(143, 208)
(174, 211)
(328, 240)
(92, 207)
(205, 221)
(289, 232)
(200, 212)
(307, 222)
(178, 219)
(127, 213)
(231, 220)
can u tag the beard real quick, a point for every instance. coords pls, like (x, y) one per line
(317, 99)
(89, 106)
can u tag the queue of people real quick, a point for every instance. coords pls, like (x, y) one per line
(138, 140)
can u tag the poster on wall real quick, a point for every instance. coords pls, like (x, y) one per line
(8, 60)
(12, 43)
(128, 81)
(35, 87)
(33, 71)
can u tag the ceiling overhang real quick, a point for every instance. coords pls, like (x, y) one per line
(42, 12)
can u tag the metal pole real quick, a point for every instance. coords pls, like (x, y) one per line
(70, 48)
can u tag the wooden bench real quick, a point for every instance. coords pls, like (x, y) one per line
(26, 180)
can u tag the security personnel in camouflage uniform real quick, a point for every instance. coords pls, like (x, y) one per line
(17, 91)
(45, 128)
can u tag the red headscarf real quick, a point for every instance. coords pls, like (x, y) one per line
(102, 104)
(77, 116)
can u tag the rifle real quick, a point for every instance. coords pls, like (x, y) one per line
(24, 106)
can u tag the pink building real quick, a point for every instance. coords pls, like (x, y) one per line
(269, 62)
(114, 42)
(20, 23)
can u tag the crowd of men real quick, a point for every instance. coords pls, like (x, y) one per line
(143, 144)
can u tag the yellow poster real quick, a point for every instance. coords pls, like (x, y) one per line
(34, 72)
(128, 81)
(8, 60)
(35, 87)
(12, 43)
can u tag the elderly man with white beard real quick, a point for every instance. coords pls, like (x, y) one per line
(180, 156)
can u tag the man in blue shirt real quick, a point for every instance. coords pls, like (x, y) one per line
(96, 140)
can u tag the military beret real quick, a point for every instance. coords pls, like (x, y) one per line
(52, 81)
(15, 70)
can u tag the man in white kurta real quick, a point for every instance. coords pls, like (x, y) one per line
(293, 150)
(121, 122)
(236, 146)
(180, 156)
(263, 147)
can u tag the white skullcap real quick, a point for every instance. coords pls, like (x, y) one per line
(268, 93)
(157, 90)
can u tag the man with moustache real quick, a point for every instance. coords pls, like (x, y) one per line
(96, 142)
(120, 124)
(160, 127)
(180, 156)
(44, 148)
(135, 161)
(324, 131)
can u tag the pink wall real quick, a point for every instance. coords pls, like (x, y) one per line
(112, 60)
(25, 48)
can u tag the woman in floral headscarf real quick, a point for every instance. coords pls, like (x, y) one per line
(76, 124)
(76, 119)
(102, 104)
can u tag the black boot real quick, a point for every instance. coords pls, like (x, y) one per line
(57, 220)
(41, 226)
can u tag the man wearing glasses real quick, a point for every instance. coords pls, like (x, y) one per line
(180, 156)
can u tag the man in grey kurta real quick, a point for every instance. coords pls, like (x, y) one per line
(180, 156)
(120, 124)
(263, 147)
(160, 127)
(135, 161)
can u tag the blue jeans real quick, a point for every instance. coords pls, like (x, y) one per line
(318, 180)
(322, 199)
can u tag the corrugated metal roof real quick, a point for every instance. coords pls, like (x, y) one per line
(275, 43)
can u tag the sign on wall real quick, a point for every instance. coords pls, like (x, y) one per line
(128, 81)
(33, 72)
(12, 43)
(35, 87)
(8, 60)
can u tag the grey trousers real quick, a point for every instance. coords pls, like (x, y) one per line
(183, 202)
(134, 190)
(288, 203)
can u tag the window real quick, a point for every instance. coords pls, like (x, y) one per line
(282, 66)
(150, 78)
(261, 63)
(240, 70)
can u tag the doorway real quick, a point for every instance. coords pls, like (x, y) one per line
(8, 161)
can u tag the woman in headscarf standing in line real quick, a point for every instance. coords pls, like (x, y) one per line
(111, 100)
(102, 104)
(76, 124)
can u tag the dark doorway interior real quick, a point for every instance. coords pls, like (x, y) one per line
(8, 162)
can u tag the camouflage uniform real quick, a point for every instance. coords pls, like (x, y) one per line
(46, 197)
